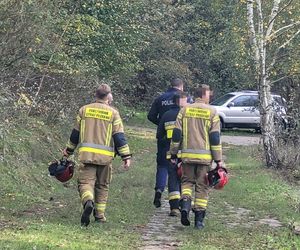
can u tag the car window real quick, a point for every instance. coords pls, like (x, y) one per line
(245, 101)
(223, 99)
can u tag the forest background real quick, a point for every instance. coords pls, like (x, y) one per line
(53, 54)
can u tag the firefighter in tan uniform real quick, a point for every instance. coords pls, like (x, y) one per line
(197, 133)
(98, 133)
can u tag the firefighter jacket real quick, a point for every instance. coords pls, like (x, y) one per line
(98, 133)
(164, 134)
(197, 132)
(161, 105)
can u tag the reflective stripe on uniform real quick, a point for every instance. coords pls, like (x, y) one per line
(88, 194)
(78, 118)
(201, 202)
(82, 130)
(216, 148)
(216, 118)
(71, 145)
(185, 133)
(174, 195)
(207, 127)
(169, 133)
(195, 151)
(187, 191)
(108, 135)
(196, 154)
(124, 150)
(168, 157)
(117, 122)
(96, 148)
(100, 207)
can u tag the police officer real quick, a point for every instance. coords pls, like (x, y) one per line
(164, 132)
(98, 132)
(197, 130)
(161, 105)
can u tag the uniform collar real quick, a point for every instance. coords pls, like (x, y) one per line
(101, 101)
(173, 89)
(199, 100)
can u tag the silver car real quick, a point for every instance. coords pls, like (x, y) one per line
(240, 109)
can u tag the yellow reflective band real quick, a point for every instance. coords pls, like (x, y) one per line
(100, 207)
(185, 133)
(124, 150)
(179, 116)
(197, 156)
(82, 130)
(216, 118)
(117, 122)
(174, 197)
(216, 148)
(78, 118)
(96, 151)
(108, 135)
(206, 135)
(204, 205)
(71, 145)
(187, 191)
(201, 200)
(169, 127)
(97, 113)
(169, 133)
(197, 113)
(87, 194)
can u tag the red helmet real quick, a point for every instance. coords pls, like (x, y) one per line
(63, 170)
(217, 178)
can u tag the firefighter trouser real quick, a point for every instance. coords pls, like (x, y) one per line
(93, 184)
(173, 186)
(195, 174)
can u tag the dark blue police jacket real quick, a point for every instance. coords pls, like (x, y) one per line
(163, 143)
(161, 105)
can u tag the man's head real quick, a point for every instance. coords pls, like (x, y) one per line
(177, 83)
(180, 98)
(102, 92)
(203, 92)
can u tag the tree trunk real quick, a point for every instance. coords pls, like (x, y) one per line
(267, 123)
(264, 85)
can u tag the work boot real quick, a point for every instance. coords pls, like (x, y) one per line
(185, 211)
(199, 217)
(174, 206)
(88, 209)
(100, 219)
(157, 197)
(174, 212)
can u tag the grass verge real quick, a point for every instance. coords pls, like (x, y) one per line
(244, 215)
(37, 212)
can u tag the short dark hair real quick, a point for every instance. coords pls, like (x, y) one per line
(199, 91)
(176, 82)
(102, 91)
(178, 95)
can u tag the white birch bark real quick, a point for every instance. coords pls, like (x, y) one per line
(259, 54)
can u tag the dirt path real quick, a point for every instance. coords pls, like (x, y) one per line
(233, 140)
(160, 232)
(241, 140)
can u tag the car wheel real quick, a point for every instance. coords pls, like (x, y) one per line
(222, 125)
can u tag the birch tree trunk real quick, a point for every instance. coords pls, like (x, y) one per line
(259, 51)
